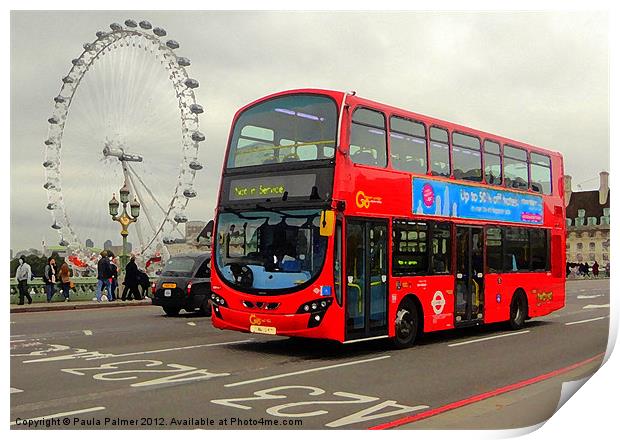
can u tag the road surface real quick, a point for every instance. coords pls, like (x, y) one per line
(134, 368)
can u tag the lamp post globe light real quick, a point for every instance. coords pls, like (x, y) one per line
(125, 218)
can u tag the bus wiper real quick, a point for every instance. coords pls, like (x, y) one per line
(284, 214)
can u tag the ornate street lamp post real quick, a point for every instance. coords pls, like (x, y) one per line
(125, 219)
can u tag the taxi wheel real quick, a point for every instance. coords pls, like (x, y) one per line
(205, 308)
(172, 311)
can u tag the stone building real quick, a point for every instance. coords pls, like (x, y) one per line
(587, 221)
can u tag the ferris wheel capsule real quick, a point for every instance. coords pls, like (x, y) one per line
(198, 136)
(51, 206)
(63, 243)
(67, 79)
(56, 226)
(48, 164)
(159, 32)
(88, 46)
(131, 23)
(183, 61)
(53, 120)
(180, 218)
(196, 109)
(145, 25)
(49, 185)
(101, 34)
(168, 240)
(191, 83)
(195, 165)
(49, 142)
(189, 193)
(116, 27)
(59, 99)
(172, 44)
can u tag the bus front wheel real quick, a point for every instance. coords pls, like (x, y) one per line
(406, 325)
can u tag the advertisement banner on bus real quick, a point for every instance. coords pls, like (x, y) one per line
(447, 199)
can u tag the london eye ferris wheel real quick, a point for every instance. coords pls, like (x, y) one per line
(126, 114)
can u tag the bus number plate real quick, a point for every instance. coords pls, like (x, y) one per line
(169, 285)
(263, 330)
(167, 292)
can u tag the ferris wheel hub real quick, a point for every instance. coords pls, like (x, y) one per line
(121, 155)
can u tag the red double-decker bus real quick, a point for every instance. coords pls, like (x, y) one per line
(346, 219)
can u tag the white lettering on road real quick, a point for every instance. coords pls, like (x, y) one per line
(184, 373)
(88, 332)
(345, 398)
(587, 296)
(596, 306)
(16, 390)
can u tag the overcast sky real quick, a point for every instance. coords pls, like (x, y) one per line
(539, 77)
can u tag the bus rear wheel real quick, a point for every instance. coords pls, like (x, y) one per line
(518, 311)
(406, 325)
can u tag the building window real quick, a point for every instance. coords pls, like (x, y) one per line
(579, 246)
(592, 246)
(408, 145)
(466, 160)
(367, 143)
(440, 152)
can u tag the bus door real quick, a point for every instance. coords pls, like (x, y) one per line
(469, 275)
(366, 278)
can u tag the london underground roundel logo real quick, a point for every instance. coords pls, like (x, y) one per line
(428, 195)
(438, 302)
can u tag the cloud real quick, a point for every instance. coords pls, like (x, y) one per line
(540, 77)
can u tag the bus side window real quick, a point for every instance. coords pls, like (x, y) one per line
(440, 152)
(440, 248)
(409, 248)
(368, 145)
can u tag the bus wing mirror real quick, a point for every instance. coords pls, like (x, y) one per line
(328, 218)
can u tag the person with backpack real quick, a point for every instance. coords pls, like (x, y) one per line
(49, 278)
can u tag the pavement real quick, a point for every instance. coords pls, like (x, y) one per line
(135, 368)
(74, 305)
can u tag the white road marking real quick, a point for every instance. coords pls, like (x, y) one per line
(596, 306)
(70, 413)
(16, 390)
(587, 296)
(17, 336)
(188, 347)
(88, 332)
(587, 320)
(488, 338)
(191, 323)
(311, 370)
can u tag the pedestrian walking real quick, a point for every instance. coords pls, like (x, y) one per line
(22, 276)
(49, 277)
(586, 269)
(131, 281)
(113, 278)
(65, 280)
(607, 269)
(595, 269)
(104, 273)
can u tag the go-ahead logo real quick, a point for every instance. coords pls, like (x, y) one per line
(364, 201)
